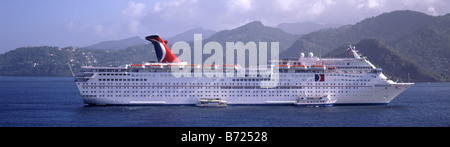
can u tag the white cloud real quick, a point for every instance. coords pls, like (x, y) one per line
(70, 25)
(285, 5)
(432, 11)
(157, 7)
(316, 8)
(130, 23)
(175, 16)
(240, 5)
(132, 16)
(368, 4)
(134, 9)
(373, 4)
(98, 28)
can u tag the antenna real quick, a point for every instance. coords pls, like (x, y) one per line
(409, 77)
(320, 52)
(70, 67)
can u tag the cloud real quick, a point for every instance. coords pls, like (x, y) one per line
(432, 11)
(175, 16)
(69, 25)
(373, 4)
(285, 5)
(171, 17)
(132, 16)
(367, 5)
(99, 29)
(240, 5)
(135, 10)
(317, 8)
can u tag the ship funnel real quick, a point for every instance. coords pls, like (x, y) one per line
(163, 52)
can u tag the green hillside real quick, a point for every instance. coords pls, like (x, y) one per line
(394, 64)
(54, 61)
(388, 27)
(422, 38)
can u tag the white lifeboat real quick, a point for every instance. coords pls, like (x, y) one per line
(318, 67)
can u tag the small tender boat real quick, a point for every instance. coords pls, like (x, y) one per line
(211, 102)
(314, 101)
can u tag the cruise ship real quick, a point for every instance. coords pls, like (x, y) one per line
(308, 80)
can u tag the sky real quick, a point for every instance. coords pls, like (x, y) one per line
(81, 23)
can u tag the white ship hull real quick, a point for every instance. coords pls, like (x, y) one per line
(168, 90)
(346, 80)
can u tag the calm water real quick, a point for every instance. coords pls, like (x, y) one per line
(54, 101)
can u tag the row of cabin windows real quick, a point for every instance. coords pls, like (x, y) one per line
(247, 92)
(201, 95)
(122, 79)
(256, 85)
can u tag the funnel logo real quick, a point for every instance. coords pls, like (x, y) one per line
(163, 52)
(319, 77)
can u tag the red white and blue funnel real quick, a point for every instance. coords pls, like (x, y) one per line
(163, 52)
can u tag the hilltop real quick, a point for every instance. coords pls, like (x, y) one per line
(257, 32)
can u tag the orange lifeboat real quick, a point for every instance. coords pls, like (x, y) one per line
(283, 66)
(138, 65)
(331, 68)
(156, 66)
(302, 67)
(229, 65)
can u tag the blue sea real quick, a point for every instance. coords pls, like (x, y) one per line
(55, 102)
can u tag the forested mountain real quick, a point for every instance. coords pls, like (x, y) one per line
(422, 38)
(388, 27)
(395, 65)
(54, 61)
